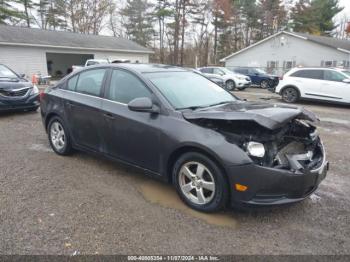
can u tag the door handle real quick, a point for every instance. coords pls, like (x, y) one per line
(109, 116)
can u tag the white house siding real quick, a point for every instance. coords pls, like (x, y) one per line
(32, 60)
(301, 51)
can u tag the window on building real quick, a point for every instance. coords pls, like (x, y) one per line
(272, 66)
(328, 63)
(288, 65)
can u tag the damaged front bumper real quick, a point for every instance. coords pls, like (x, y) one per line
(271, 186)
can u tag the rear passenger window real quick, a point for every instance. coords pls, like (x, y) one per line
(72, 83)
(207, 70)
(125, 87)
(312, 74)
(90, 82)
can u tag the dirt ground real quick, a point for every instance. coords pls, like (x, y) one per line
(86, 205)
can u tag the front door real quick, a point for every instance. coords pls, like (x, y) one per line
(83, 108)
(334, 88)
(131, 136)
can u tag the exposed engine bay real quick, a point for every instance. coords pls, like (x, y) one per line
(296, 146)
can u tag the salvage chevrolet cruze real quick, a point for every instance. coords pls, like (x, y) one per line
(178, 126)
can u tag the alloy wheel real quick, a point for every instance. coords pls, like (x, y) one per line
(264, 84)
(58, 137)
(290, 95)
(196, 183)
(230, 85)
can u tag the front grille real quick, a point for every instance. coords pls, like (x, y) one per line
(15, 92)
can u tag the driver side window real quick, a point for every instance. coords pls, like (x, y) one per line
(125, 87)
(333, 76)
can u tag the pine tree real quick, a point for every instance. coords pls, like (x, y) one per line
(138, 21)
(315, 17)
(8, 13)
(272, 16)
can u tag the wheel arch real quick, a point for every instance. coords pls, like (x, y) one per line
(191, 148)
(289, 85)
(49, 117)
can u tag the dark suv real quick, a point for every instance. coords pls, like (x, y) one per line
(258, 77)
(16, 93)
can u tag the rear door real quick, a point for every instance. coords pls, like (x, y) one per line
(83, 108)
(131, 136)
(334, 88)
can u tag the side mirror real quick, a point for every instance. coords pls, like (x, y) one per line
(346, 80)
(256, 74)
(22, 75)
(143, 104)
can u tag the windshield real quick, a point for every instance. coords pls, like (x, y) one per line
(6, 73)
(260, 71)
(189, 90)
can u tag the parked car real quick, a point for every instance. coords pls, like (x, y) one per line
(258, 77)
(90, 62)
(213, 147)
(326, 84)
(232, 80)
(17, 93)
(216, 79)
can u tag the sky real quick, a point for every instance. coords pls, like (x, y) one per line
(346, 5)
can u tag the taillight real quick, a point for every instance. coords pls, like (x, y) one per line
(41, 95)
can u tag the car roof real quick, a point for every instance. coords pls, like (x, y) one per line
(318, 68)
(149, 68)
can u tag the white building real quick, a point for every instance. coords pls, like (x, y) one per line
(30, 51)
(284, 50)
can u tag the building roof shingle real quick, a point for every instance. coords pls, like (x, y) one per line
(47, 38)
(328, 41)
(339, 44)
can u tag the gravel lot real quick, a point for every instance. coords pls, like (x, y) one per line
(83, 204)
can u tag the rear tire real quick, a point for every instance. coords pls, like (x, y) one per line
(290, 95)
(59, 137)
(264, 84)
(230, 85)
(200, 183)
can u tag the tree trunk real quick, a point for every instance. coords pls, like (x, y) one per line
(183, 32)
(25, 3)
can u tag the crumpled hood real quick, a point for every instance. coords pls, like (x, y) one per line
(270, 116)
(10, 84)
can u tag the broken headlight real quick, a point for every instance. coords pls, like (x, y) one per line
(255, 149)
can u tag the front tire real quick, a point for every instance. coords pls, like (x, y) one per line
(59, 136)
(230, 85)
(200, 183)
(290, 95)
